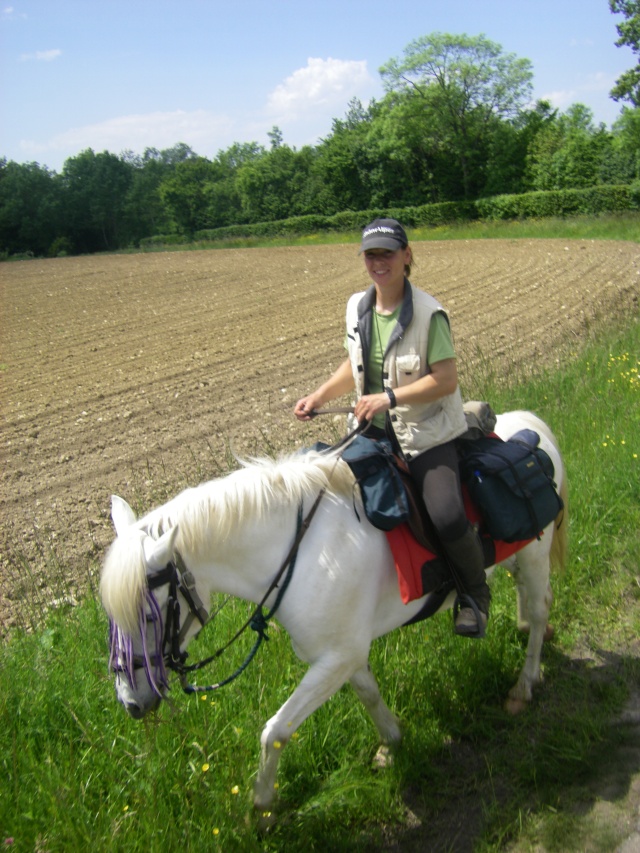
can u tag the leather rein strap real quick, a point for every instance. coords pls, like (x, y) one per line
(257, 621)
(339, 410)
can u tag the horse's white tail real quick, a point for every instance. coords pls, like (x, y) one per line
(560, 542)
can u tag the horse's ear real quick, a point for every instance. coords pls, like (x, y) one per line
(163, 549)
(121, 514)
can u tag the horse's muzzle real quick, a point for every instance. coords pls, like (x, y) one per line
(136, 710)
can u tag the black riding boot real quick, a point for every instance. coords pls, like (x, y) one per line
(467, 557)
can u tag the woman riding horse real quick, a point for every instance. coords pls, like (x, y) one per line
(402, 364)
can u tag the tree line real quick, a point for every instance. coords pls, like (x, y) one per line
(456, 123)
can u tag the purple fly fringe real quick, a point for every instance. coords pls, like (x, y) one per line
(121, 657)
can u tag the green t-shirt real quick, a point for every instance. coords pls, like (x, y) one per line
(440, 347)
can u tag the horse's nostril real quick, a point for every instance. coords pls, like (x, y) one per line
(134, 710)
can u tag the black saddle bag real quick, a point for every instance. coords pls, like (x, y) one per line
(511, 483)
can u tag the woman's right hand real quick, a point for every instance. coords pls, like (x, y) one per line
(306, 405)
(341, 382)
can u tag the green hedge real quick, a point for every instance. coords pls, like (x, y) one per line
(536, 205)
(601, 199)
(163, 240)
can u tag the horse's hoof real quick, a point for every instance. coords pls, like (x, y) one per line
(266, 820)
(383, 757)
(515, 706)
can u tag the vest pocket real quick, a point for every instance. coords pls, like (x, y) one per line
(407, 369)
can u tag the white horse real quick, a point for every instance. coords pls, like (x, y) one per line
(232, 535)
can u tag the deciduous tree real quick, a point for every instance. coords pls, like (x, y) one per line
(94, 192)
(185, 191)
(569, 152)
(464, 83)
(627, 86)
(29, 208)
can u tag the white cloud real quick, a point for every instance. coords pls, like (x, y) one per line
(41, 55)
(585, 87)
(323, 83)
(582, 42)
(199, 129)
(303, 105)
(9, 13)
(560, 99)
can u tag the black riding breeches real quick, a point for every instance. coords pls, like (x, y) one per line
(436, 473)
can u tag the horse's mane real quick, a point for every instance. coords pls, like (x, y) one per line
(213, 510)
(210, 513)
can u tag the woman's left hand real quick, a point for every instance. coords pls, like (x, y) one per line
(371, 405)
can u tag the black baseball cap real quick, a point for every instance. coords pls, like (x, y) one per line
(383, 234)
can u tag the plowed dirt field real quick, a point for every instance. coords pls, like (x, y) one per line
(138, 374)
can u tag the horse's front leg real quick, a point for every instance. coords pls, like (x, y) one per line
(320, 682)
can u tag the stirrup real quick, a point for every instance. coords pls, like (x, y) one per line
(464, 600)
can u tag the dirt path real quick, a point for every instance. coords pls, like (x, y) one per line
(133, 374)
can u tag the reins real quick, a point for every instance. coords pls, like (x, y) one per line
(337, 410)
(180, 579)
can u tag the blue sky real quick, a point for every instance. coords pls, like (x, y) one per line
(130, 74)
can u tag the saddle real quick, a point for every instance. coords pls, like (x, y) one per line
(389, 493)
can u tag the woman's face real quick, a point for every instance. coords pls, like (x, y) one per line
(386, 267)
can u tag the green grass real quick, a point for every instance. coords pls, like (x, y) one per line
(624, 226)
(77, 773)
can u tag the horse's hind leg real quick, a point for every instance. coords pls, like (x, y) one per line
(364, 683)
(531, 572)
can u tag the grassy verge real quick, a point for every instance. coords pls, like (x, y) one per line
(78, 774)
(623, 226)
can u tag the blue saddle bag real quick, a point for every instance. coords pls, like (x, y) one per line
(383, 493)
(384, 496)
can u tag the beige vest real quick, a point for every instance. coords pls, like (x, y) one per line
(417, 427)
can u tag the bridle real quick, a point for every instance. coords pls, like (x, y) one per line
(180, 580)
(168, 633)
